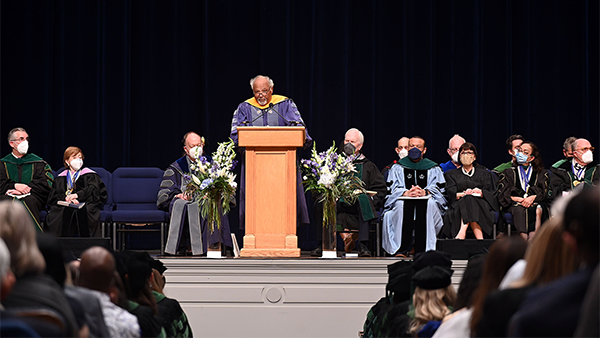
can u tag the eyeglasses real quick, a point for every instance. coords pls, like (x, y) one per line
(21, 139)
(264, 92)
(585, 149)
(468, 152)
(453, 150)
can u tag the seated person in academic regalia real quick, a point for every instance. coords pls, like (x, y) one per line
(568, 147)
(453, 146)
(76, 186)
(512, 143)
(416, 202)
(401, 150)
(355, 218)
(580, 171)
(187, 228)
(471, 194)
(25, 176)
(523, 190)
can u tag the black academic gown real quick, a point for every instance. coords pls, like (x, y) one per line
(509, 185)
(30, 170)
(69, 222)
(470, 208)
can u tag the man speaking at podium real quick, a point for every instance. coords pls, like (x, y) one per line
(266, 109)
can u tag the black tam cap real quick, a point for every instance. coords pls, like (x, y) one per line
(433, 277)
(431, 258)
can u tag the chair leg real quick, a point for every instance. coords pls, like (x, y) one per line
(378, 239)
(114, 230)
(162, 239)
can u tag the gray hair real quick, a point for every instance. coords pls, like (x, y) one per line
(455, 136)
(4, 259)
(12, 132)
(570, 143)
(361, 137)
(18, 233)
(271, 83)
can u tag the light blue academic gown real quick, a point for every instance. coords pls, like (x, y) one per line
(393, 213)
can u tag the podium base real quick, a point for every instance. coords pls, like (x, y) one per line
(270, 252)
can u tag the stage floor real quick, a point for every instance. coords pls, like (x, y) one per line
(279, 297)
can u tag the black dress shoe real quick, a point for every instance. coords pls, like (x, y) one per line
(363, 251)
(227, 251)
(318, 252)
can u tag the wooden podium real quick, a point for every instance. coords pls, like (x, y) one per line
(271, 190)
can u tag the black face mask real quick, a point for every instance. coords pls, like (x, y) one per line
(349, 149)
(414, 154)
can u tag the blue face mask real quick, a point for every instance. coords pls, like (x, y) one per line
(521, 158)
(415, 154)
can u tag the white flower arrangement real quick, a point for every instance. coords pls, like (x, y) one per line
(212, 183)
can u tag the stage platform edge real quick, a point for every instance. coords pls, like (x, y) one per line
(279, 297)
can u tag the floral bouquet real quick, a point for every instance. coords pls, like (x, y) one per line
(331, 176)
(212, 183)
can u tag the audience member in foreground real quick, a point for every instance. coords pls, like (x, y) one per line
(12, 325)
(433, 299)
(554, 310)
(175, 321)
(33, 290)
(548, 258)
(97, 272)
(456, 324)
(503, 254)
(136, 273)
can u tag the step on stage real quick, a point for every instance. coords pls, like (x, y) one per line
(286, 297)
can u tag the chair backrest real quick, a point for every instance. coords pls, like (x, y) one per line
(136, 188)
(16, 329)
(106, 177)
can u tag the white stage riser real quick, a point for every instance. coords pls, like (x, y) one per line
(279, 297)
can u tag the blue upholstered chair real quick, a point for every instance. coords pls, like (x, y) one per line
(134, 195)
(16, 329)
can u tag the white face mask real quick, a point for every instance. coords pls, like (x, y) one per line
(455, 157)
(402, 154)
(76, 164)
(195, 152)
(587, 157)
(23, 147)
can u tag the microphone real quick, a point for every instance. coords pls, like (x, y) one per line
(293, 123)
(259, 116)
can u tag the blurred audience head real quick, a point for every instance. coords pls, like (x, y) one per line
(469, 283)
(18, 233)
(548, 257)
(433, 296)
(581, 221)
(7, 278)
(97, 269)
(503, 254)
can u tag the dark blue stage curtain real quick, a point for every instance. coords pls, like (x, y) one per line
(124, 80)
